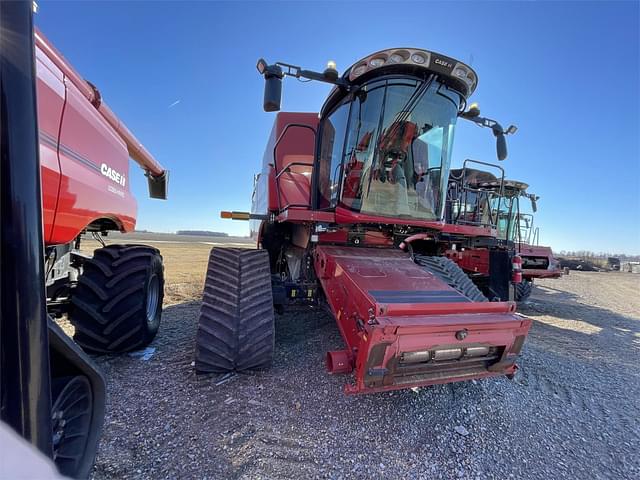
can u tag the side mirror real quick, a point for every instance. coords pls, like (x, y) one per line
(501, 146)
(534, 204)
(272, 85)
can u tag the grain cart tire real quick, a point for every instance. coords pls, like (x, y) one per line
(71, 416)
(117, 303)
(236, 326)
(449, 271)
(523, 290)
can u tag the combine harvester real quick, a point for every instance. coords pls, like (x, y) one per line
(515, 224)
(349, 213)
(65, 173)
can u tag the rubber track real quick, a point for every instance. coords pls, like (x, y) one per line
(523, 290)
(449, 271)
(236, 326)
(109, 301)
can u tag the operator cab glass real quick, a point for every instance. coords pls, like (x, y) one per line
(507, 213)
(386, 149)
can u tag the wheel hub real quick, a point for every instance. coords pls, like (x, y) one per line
(153, 294)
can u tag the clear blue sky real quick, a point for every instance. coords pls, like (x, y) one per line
(566, 73)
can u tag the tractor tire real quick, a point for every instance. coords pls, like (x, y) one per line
(236, 329)
(449, 271)
(117, 303)
(71, 415)
(523, 290)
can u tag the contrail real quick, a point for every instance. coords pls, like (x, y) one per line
(174, 104)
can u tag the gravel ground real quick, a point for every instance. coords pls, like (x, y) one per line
(572, 411)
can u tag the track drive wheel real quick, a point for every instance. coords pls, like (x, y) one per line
(117, 304)
(523, 290)
(449, 271)
(236, 326)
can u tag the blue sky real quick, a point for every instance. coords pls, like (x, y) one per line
(566, 73)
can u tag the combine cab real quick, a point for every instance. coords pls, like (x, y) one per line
(349, 214)
(516, 224)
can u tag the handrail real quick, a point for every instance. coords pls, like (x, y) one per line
(466, 189)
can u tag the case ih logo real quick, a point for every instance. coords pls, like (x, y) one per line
(444, 63)
(109, 172)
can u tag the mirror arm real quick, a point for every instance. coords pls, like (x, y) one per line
(485, 122)
(297, 72)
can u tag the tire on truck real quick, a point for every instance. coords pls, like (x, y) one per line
(236, 325)
(117, 303)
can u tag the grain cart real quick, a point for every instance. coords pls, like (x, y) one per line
(64, 172)
(347, 213)
(114, 298)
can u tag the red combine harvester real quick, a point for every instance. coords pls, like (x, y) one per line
(517, 226)
(65, 173)
(478, 197)
(348, 213)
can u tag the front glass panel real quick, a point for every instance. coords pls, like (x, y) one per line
(398, 150)
(331, 148)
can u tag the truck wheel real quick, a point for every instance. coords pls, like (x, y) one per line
(449, 271)
(117, 304)
(523, 290)
(71, 417)
(236, 326)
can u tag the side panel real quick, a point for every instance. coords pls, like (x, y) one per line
(296, 146)
(50, 91)
(295, 155)
(95, 169)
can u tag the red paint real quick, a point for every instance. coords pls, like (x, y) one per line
(474, 260)
(350, 276)
(136, 150)
(80, 139)
(543, 253)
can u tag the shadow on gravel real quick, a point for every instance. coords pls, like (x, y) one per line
(294, 421)
(569, 326)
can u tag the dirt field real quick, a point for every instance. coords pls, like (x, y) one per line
(572, 411)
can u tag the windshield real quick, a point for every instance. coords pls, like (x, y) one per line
(513, 223)
(398, 149)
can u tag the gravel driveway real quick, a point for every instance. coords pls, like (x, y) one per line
(572, 411)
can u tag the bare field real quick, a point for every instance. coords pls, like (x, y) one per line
(185, 259)
(572, 411)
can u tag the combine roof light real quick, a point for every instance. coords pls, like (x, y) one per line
(447, 67)
(459, 72)
(359, 70)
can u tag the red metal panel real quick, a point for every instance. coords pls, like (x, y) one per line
(471, 259)
(50, 91)
(542, 252)
(386, 305)
(296, 146)
(136, 150)
(89, 150)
